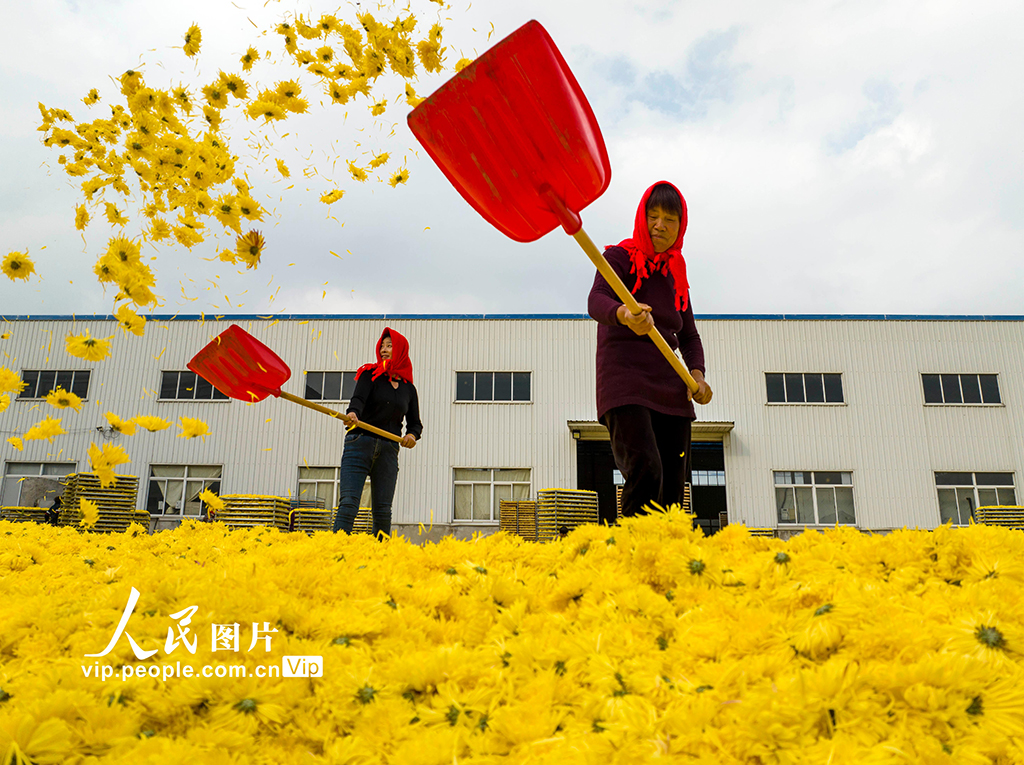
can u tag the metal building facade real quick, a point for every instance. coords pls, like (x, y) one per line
(883, 433)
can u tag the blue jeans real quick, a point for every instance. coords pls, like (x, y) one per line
(366, 455)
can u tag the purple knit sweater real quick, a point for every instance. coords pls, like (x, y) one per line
(630, 368)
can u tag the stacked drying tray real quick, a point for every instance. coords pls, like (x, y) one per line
(310, 515)
(34, 514)
(116, 502)
(243, 511)
(519, 517)
(561, 510)
(1011, 516)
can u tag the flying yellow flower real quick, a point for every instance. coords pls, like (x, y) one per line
(234, 85)
(5, 401)
(266, 109)
(16, 443)
(400, 176)
(90, 513)
(430, 52)
(216, 95)
(81, 217)
(212, 117)
(325, 54)
(378, 108)
(114, 215)
(462, 63)
(410, 96)
(282, 168)
(62, 399)
(330, 197)
(92, 97)
(103, 460)
(355, 171)
(17, 265)
(46, 428)
(379, 159)
(250, 248)
(89, 348)
(123, 250)
(249, 58)
(159, 230)
(131, 321)
(193, 39)
(10, 381)
(151, 423)
(191, 427)
(213, 502)
(127, 427)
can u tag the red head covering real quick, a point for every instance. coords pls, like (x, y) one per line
(646, 261)
(398, 367)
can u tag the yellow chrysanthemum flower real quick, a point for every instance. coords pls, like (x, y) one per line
(10, 381)
(90, 513)
(282, 168)
(16, 443)
(410, 96)
(330, 197)
(212, 117)
(81, 217)
(216, 95)
(400, 176)
(213, 502)
(114, 215)
(249, 58)
(250, 248)
(86, 347)
(104, 460)
(159, 230)
(192, 427)
(5, 401)
(130, 321)
(430, 53)
(355, 171)
(127, 427)
(462, 63)
(234, 85)
(266, 109)
(46, 428)
(380, 159)
(17, 265)
(151, 422)
(193, 39)
(62, 399)
(92, 97)
(378, 108)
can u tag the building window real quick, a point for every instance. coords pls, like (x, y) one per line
(40, 382)
(804, 387)
(321, 484)
(818, 497)
(960, 494)
(187, 386)
(708, 478)
(175, 489)
(492, 386)
(961, 389)
(479, 491)
(330, 386)
(14, 472)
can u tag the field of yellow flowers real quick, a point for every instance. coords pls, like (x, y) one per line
(615, 645)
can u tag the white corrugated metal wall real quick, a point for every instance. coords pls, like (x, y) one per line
(883, 433)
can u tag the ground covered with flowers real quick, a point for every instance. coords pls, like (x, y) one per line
(614, 645)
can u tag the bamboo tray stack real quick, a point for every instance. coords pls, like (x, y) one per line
(519, 517)
(1010, 516)
(564, 508)
(761, 532)
(310, 515)
(687, 502)
(23, 514)
(116, 502)
(244, 511)
(364, 522)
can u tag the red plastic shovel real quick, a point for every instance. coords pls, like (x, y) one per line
(240, 366)
(515, 135)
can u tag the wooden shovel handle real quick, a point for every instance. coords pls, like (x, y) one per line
(599, 260)
(340, 415)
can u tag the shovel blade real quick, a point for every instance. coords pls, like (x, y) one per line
(516, 137)
(240, 366)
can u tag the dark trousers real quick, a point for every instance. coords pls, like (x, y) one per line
(366, 455)
(652, 451)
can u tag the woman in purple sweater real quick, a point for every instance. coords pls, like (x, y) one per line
(644, 404)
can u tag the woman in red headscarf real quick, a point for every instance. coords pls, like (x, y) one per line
(644, 404)
(384, 396)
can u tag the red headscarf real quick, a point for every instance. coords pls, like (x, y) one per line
(398, 367)
(646, 261)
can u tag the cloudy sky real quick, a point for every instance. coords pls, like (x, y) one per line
(836, 157)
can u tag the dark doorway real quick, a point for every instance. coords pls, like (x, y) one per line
(708, 484)
(594, 472)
